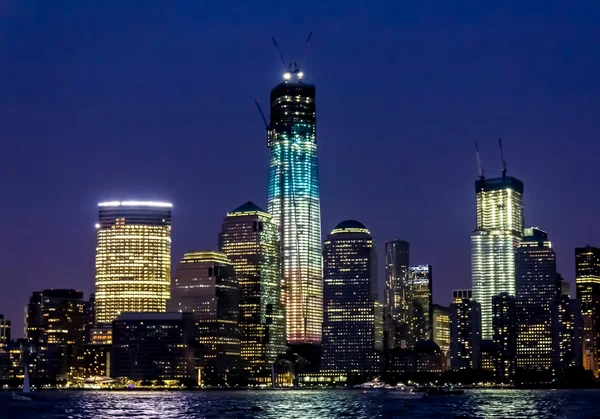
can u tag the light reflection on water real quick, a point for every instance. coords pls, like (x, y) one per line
(485, 404)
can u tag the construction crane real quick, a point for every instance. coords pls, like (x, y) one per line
(479, 163)
(502, 158)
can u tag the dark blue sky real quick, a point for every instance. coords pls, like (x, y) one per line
(155, 100)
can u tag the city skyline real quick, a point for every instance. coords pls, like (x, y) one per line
(74, 181)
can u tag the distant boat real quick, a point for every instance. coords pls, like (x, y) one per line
(26, 388)
(373, 384)
(409, 392)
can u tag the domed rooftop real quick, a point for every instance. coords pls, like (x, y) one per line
(350, 226)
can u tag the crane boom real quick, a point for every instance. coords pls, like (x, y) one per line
(306, 48)
(262, 114)
(278, 51)
(502, 157)
(479, 163)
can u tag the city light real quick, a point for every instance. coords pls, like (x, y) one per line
(136, 204)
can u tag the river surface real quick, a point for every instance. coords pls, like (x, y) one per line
(570, 404)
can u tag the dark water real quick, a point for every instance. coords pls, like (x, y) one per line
(570, 404)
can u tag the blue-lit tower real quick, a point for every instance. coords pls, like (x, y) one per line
(295, 206)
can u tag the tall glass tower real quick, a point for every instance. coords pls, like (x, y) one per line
(249, 238)
(494, 242)
(133, 258)
(295, 206)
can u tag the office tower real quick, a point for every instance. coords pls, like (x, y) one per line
(352, 336)
(465, 334)
(493, 243)
(504, 323)
(205, 285)
(536, 289)
(565, 287)
(249, 238)
(133, 258)
(587, 280)
(294, 204)
(153, 346)
(421, 303)
(566, 327)
(459, 295)
(55, 325)
(4, 330)
(397, 293)
(441, 329)
(33, 318)
(21, 352)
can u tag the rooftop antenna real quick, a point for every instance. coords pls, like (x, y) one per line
(278, 51)
(502, 158)
(306, 48)
(479, 163)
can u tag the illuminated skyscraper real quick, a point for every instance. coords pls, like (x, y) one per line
(494, 242)
(397, 293)
(465, 334)
(249, 238)
(205, 285)
(441, 330)
(504, 309)
(537, 288)
(133, 258)
(587, 278)
(353, 329)
(421, 303)
(459, 295)
(294, 204)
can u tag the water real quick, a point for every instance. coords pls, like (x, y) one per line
(303, 404)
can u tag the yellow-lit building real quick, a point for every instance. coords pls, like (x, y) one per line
(441, 330)
(249, 238)
(587, 268)
(498, 232)
(133, 258)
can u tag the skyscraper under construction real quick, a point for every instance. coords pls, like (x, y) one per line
(295, 206)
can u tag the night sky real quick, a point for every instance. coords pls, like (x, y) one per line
(105, 100)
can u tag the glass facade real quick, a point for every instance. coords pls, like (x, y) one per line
(352, 334)
(250, 240)
(537, 288)
(294, 204)
(504, 307)
(587, 278)
(55, 327)
(153, 346)
(465, 334)
(397, 293)
(205, 285)
(441, 328)
(494, 242)
(421, 303)
(133, 258)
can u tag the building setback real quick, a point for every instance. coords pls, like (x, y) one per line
(353, 326)
(205, 285)
(494, 241)
(250, 240)
(294, 203)
(537, 288)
